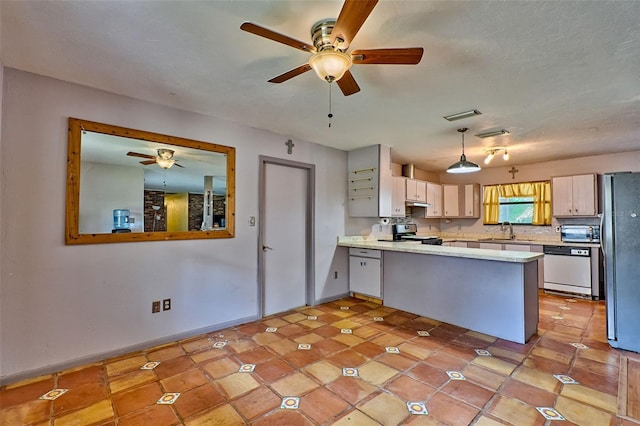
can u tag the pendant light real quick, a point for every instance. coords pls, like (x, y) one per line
(463, 166)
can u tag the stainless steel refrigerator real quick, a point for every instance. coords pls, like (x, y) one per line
(620, 241)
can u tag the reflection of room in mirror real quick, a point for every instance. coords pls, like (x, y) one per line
(154, 218)
(124, 173)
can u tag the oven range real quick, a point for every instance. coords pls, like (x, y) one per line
(408, 231)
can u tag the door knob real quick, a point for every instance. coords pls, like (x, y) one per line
(265, 248)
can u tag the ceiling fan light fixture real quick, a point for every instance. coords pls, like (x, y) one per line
(165, 154)
(165, 163)
(463, 166)
(330, 65)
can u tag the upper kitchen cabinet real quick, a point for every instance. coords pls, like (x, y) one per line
(574, 195)
(416, 190)
(472, 200)
(434, 201)
(370, 182)
(451, 193)
(398, 196)
(461, 201)
(434, 198)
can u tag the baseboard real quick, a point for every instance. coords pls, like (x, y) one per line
(54, 368)
(331, 298)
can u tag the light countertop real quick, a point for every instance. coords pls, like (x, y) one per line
(372, 243)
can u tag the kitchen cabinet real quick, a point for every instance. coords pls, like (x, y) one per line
(451, 200)
(461, 200)
(398, 196)
(416, 190)
(365, 272)
(491, 246)
(472, 200)
(434, 197)
(370, 183)
(455, 244)
(574, 195)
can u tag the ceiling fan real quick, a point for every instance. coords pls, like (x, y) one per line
(331, 38)
(164, 158)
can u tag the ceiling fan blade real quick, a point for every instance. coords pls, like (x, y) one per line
(290, 74)
(148, 162)
(348, 84)
(403, 56)
(137, 154)
(280, 38)
(351, 18)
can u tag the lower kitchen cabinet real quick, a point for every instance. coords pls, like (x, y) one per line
(455, 244)
(365, 272)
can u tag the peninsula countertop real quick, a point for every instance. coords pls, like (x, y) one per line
(372, 243)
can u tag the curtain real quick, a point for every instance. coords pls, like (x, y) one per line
(540, 191)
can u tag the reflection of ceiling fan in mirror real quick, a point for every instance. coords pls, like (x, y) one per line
(164, 158)
(331, 38)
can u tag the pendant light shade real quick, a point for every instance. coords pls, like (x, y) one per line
(463, 166)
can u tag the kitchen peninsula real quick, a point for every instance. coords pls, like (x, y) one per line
(488, 291)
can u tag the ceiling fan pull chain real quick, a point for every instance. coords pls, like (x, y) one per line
(330, 115)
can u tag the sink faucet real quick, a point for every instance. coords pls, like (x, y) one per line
(503, 225)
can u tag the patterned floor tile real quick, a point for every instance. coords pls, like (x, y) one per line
(509, 386)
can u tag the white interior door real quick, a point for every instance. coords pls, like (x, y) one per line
(284, 241)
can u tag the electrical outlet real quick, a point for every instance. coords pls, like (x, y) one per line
(557, 229)
(252, 221)
(166, 304)
(155, 306)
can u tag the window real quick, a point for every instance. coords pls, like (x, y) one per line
(516, 210)
(525, 202)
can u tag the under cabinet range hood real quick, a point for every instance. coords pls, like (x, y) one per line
(417, 204)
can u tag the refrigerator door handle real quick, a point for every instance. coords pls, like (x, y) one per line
(606, 244)
(602, 233)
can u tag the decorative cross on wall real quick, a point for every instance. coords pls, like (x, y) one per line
(290, 146)
(513, 172)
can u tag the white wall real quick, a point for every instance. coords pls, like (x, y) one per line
(62, 303)
(106, 187)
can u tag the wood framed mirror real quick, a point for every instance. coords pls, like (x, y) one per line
(126, 185)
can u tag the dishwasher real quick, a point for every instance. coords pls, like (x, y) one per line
(567, 269)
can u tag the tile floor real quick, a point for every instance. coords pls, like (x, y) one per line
(351, 362)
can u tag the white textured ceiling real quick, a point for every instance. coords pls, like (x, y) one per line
(563, 77)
